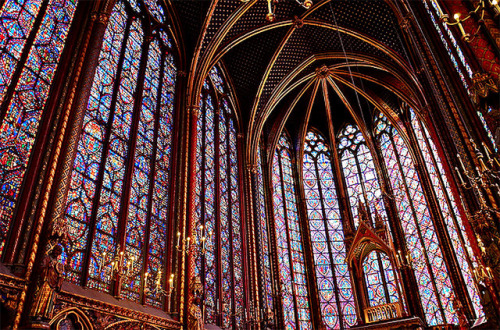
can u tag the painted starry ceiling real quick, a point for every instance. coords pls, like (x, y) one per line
(349, 52)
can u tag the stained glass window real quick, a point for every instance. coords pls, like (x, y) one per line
(126, 134)
(217, 206)
(25, 82)
(327, 236)
(449, 209)
(263, 237)
(360, 175)
(432, 275)
(380, 279)
(291, 265)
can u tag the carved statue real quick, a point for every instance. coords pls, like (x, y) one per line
(195, 318)
(50, 282)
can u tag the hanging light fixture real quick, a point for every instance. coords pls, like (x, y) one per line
(271, 7)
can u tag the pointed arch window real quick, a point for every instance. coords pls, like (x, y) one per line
(327, 235)
(291, 266)
(449, 209)
(217, 205)
(359, 172)
(32, 38)
(432, 275)
(117, 205)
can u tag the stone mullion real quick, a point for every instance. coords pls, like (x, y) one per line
(409, 282)
(438, 221)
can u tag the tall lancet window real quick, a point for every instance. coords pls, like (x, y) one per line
(359, 171)
(291, 267)
(117, 206)
(449, 209)
(32, 37)
(217, 205)
(263, 237)
(327, 235)
(432, 275)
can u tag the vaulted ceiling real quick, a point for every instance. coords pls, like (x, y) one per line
(343, 56)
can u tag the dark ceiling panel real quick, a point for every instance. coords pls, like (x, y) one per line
(247, 62)
(191, 16)
(372, 17)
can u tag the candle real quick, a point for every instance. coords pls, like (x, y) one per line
(158, 281)
(465, 36)
(408, 258)
(398, 256)
(488, 272)
(486, 151)
(178, 238)
(187, 244)
(461, 163)
(460, 176)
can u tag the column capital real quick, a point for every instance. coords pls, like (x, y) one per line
(193, 110)
(100, 17)
(252, 168)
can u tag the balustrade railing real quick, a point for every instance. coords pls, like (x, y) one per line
(383, 312)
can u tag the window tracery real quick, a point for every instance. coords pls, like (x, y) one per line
(327, 235)
(117, 205)
(359, 172)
